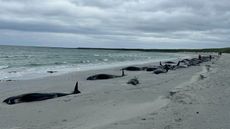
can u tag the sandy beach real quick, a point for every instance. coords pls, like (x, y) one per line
(179, 99)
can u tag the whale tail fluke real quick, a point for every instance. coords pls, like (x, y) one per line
(76, 91)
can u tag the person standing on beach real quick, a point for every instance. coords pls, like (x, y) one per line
(199, 57)
(219, 53)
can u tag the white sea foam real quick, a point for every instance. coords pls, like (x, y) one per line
(32, 62)
(4, 67)
(24, 73)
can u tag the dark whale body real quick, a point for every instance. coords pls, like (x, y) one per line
(169, 62)
(105, 76)
(31, 97)
(102, 76)
(133, 68)
(151, 69)
(158, 71)
(162, 69)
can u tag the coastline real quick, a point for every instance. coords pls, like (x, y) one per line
(26, 63)
(109, 103)
(46, 71)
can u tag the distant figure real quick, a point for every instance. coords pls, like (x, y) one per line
(199, 57)
(219, 53)
(210, 57)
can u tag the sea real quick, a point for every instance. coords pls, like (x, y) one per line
(23, 62)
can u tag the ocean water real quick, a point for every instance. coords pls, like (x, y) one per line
(17, 62)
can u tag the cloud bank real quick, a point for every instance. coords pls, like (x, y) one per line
(116, 23)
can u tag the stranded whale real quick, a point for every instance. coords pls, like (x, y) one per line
(105, 76)
(133, 68)
(30, 97)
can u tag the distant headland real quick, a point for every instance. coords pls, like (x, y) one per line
(223, 50)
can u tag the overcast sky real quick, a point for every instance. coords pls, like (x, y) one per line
(116, 23)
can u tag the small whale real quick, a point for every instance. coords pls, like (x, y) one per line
(158, 71)
(169, 62)
(102, 76)
(31, 97)
(179, 65)
(105, 76)
(133, 68)
(174, 67)
(133, 81)
(151, 68)
(165, 66)
(51, 71)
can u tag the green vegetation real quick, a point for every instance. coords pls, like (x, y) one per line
(223, 50)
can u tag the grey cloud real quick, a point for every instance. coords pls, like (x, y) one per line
(133, 22)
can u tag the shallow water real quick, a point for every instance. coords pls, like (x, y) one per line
(18, 62)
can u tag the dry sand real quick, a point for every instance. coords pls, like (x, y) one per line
(195, 102)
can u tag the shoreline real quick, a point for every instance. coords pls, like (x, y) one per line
(93, 67)
(108, 103)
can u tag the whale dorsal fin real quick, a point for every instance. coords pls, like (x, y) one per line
(178, 63)
(160, 63)
(122, 72)
(76, 91)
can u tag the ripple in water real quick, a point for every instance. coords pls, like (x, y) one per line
(32, 62)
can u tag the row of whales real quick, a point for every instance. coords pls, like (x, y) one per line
(162, 68)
